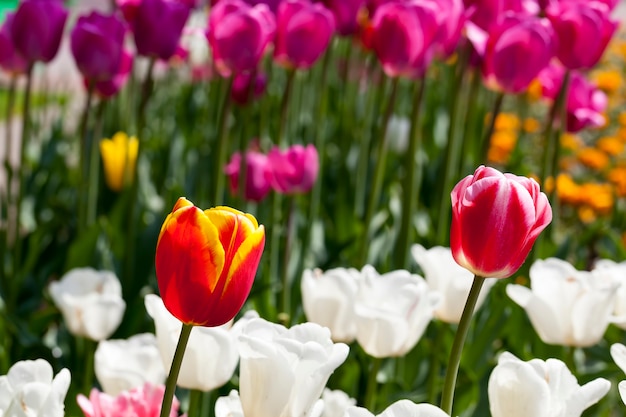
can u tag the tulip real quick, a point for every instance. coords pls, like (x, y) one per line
(157, 27)
(583, 28)
(452, 17)
(403, 35)
(29, 389)
(211, 354)
(295, 169)
(565, 306)
(336, 402)
(229, 406)
(10, 60)
(243, 92)
(392, 311)
(97, 43)
(540, 389)
(90, 301)
(206, 262)
(495, 220)
(517, 49)
(119, 156)
(618, 272)
(328, 300)
(346, 13)
(258, 175)
(109, 88)
(239, 35)
(37, 28)
(141, 401)
(298, 362)
(452, 281)
(303, 32)
(128, 8)
(618, 353)
(401, 408)
(121, 365)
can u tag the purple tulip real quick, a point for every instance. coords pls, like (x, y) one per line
(258, 175)
(10, 60)
(583, 29)
(517, 49)
(37, 29)
(157, 27)
(485, 13)
(295, 169)
(97, 43)
(403, 35)
(346, 14)
(239, 35)
(303, 32)
(109, 88)
(240, 92)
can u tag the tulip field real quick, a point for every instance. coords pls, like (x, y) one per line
(300, 208)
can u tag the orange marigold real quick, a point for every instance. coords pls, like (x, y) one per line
(593, 158)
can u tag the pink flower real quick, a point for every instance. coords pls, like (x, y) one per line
(295, 169)
(109, 88)
(583, 28)
(485, 13)
(517, 49)
(402, 37)
(303, 32)
(496, 218)
(37, 29)
(258, 175)
(143, 401)
(346, 13)
(10, 60)
(240, 92)
(239, 35)
(451, 17)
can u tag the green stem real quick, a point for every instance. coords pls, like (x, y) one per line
(94, 166)
(284, 109)
(469, 122)
(6, 202)
(89, 350)
(372, 384)
(435, 365)
(172, 378)
(379, 173)
(196, 403)
(218, 174)
(413, 179)
(84, 162)
(486, 140)
(286, 288)
(245, 138)
(457, 346)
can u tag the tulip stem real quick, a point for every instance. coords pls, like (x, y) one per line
(5, 242)
(284, 109)
(452, 371)
(94, 166)
(84, 161)
(286, 288)
(379, 173)
(413, 179)
(196, 403)
(486, 140)
(372, 384)
(218, 174)
(172, 378)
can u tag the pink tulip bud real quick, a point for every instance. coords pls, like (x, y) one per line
(402, 37)
(97, 45)
(295, 169)
(157, 27)
(243, 92)
(239, 35)
(10, 60)
(258, 175)
(303, 32)
(37, 29)
(583, 29)
(496, 218)
(517, 49)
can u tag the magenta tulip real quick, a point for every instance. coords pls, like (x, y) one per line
(517, 49)
(239, 35)
(295, 169)
(157, 26)
(97, 43)
(583, 29)
(243, 92)
(37, 29)
(10, 60)
(109, 88)
(303, 32)
(496, 218)
(258, 175)
(403, 35)
(451, 15)
(346, 13)
(485, 13)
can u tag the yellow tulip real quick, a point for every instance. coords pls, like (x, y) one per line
(119, 156)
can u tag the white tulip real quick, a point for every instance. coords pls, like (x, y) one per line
(393, 311)
(121, 365)
(618, 272)
(443, 274)
(336, 402)
(229, 406)
(283, 372)
(618, 352)
(401, 408)
(211, 354)
(566, 306)
(328, 300)
(90, 301)
(28, 390)
(540, 389)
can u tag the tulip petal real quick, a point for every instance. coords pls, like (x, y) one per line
(618, 353)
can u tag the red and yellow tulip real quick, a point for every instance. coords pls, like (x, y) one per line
(206, 262)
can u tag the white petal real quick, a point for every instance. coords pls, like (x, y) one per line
(618, 353)
(229, 406)
(406, 408)
(622, 390)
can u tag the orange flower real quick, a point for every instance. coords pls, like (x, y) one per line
(610, 144)
(608, 80)
(568, 191)
(571, 141)
(531, 125)
(502, 144)
(598, 196)
(617, 176)
(507, 121)
(206, 262)
(593, 158)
